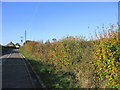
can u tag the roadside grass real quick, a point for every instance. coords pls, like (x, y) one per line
(49, 75)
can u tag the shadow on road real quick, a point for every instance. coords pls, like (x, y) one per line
(13, 67)
(6, 50)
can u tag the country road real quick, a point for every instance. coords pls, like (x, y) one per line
(15, 73)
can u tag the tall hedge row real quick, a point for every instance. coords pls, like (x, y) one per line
(93, 63)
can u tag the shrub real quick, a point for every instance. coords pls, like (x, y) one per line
(87, 64)
(107, 58)
(69, 56)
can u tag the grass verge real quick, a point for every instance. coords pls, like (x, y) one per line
(49, 75)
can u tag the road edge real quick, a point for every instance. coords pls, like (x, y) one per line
(37, 76)
(27, 71)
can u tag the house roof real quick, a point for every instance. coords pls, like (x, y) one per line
(11, 44)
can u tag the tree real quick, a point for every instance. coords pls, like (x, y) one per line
(54, 39)
(17, 44)
(26, 42)
(48, 41)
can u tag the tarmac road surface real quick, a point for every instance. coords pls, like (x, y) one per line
(14, 71)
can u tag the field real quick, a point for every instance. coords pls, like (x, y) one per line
(74, 62)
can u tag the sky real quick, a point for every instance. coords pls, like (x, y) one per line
(48, 20)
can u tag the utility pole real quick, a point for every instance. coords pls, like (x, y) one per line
(21, 39)
(25, 36)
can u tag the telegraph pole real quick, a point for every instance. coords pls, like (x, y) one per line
(21, 39)
(25, 36)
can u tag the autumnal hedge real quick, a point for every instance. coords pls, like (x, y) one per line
(69, 55)
(93, 63)
(107, 58)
